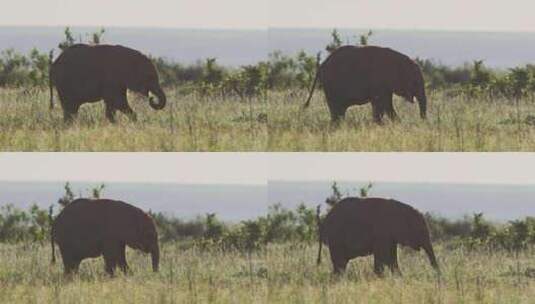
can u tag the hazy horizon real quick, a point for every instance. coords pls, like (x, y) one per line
(238, 47)
(499, 202)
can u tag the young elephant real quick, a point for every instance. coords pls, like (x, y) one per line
(89, 73)
(89, 228)
(363, 226)
(357, 75)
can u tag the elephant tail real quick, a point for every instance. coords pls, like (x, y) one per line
(50, 82)
(318, 220)
(51, 221)
(307, 103)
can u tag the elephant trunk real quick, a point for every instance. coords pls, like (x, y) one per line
(431, 255)
(162, 100)
(155, 255)
(422, 103)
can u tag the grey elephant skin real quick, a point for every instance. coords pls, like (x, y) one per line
(357, 227)
(85, 73)
(354, 75)
(89, 228)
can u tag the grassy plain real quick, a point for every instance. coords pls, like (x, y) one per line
(188, 123)
(195, 123)
(455, 123)
(284, 273)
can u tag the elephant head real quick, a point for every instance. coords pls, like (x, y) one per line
(411, 85)
(144, 80)
(418, 91)
(147, 240)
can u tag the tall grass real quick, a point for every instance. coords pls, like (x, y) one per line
(188, 123)
(455, 123)
(283, 273)
(192, 122)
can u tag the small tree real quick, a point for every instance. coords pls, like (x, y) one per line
(96, 37)
(68, 40)
(67, 197)
(335, 43)
(336, 195)
(364, 38)
(365, 190)
(97, 191)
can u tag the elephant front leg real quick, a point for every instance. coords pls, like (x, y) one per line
(394, 266)
(111, 253)
(381, 256)
(69, 112)
(122, 260)
(389, 106)
(122, 105)
(378, 111)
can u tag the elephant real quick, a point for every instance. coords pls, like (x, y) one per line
(354, 75)
(90, 73)
(357, 227)
(89, 228)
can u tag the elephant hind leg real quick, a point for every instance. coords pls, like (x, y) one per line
(338, 259)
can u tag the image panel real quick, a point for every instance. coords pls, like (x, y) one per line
(426, 218)
(134, 216)
(83, 76)
(357, 76)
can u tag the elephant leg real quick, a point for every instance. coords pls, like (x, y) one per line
(127, 110)
(394, 266)
(337, 107)
(378, 110)
(381, 256)
(389, 106)
(122, 105)
(110, 112)
(112, 253)
(70, 111)
(339, 260)
(122, 260)
(68, 260)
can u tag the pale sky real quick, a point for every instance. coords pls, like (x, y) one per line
(487, 168)
(185, 168)
(516, 15)
(489, 15)
(258, 168)
(138, 13)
